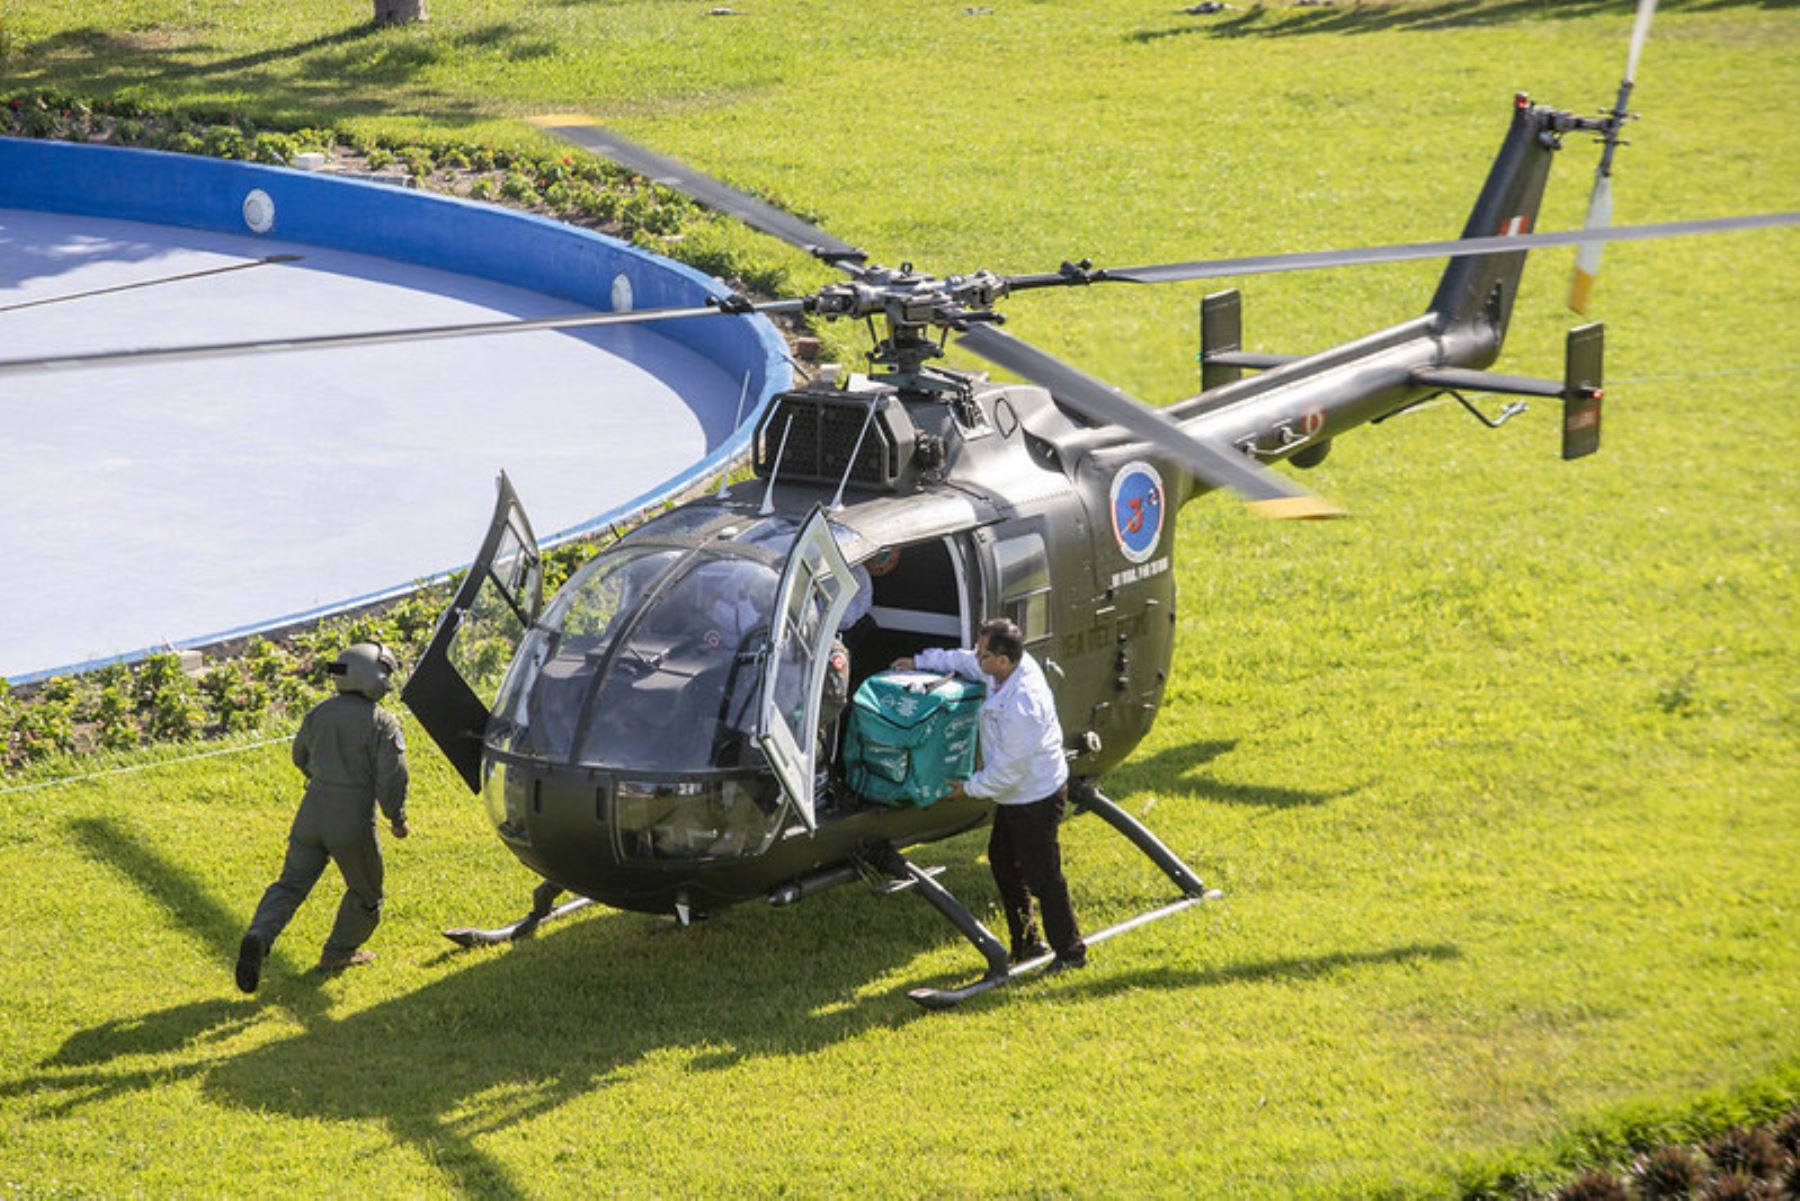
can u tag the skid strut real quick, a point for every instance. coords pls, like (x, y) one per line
(911, 877)
(1085, 797)
(543, 909)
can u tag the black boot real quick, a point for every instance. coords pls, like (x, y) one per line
(251, 953)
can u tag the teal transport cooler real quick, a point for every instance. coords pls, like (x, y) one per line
(911, 733)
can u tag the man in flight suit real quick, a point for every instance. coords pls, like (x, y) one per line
(1024, 773)
(353, 756)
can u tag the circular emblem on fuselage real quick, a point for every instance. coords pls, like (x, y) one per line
(1137, 510)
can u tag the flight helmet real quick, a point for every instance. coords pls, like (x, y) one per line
(366, 668)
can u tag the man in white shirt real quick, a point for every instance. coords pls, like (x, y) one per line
(1024, 773)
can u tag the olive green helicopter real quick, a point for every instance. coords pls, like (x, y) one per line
(656, 737)
(661, 741)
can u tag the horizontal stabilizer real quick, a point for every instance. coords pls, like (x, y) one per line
(1461, 380)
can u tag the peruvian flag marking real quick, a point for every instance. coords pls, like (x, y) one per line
(1518, 225)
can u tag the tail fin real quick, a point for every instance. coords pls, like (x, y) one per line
(1480, 291)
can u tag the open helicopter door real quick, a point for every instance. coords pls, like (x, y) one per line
(454, 686)
(816, 587)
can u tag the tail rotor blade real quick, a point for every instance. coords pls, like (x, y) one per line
(1268, 494)
(1587, 257)
(1600, 208)
(1640, 31)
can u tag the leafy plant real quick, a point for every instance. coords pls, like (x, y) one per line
(115, 719)
(1593, 1186)
(1667, 1172)
(276, 149)
(1749, 1151)
(168, 699)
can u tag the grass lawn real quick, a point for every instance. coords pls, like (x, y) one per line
(1500, 776)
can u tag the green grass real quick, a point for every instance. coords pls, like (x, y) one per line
(1500, 775)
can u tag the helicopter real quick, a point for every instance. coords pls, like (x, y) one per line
(654, 737)
(657, 742)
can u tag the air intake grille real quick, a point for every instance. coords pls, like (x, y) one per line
(820, 432)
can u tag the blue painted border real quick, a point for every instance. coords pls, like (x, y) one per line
(420, 228)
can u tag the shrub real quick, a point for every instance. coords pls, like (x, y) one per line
(225, 141)
(178, 141)
(47, 726)
(168, 699)
(1737, 1186)
(1750, 1152)
(518, 187)
(276, 149)
(1593, 1186)
(1667, 1172)
(115, 719)
(36, 119)
(1786, 1132)
(598, 204)
(318, 140)
(238, 700)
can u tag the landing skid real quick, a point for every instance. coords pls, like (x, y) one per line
(1084, 797)
(541, 913)
(947, 998)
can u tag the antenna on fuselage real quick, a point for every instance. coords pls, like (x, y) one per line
(837, 502)
(768, 505)
(725, 476)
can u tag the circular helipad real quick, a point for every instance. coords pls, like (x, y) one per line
(169, 504)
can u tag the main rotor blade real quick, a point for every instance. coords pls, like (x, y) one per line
(1457, 248)
(183, 277)
(1268, 494)
(220, 350)
(757, 214)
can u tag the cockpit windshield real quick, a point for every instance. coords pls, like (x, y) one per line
(649, 659)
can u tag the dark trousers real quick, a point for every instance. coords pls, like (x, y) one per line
(1027, 862)
(327, 830)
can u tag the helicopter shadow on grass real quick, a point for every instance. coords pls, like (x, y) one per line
(522, 1031)
(1266, 21)
(540, 1024)
(1176, 769)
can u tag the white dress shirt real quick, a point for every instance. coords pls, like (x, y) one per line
(1021, 739)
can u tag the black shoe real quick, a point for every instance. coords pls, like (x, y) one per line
(1070, 963)
(1029, 951)
(251, 953)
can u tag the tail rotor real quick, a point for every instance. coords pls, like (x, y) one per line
(1600, 204)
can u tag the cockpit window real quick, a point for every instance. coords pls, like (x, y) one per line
(679, 692)
(676, 524)
(541, 701)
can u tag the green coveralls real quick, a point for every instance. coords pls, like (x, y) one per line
(353, 756)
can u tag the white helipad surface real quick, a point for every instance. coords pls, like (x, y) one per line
(154, 504)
